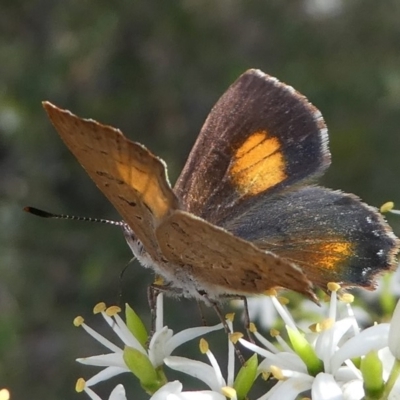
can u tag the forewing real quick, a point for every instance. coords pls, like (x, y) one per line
(221, 263)
(132, 178)
(261, 137)
(332, 236)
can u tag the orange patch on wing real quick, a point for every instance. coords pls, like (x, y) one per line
(258, 164)
(329, 255)
(146, 186)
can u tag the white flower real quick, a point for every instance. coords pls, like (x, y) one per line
(394, 333)
(133, 355)
(320, 361)
(211, 375)
(118, 392)
(173, 391)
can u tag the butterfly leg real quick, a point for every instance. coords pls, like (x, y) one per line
(228, 331)
(152, 293)
(201, 312)
(246, 314)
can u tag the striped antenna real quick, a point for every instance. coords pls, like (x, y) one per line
(45, 214)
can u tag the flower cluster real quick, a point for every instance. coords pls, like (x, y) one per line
(332, 359)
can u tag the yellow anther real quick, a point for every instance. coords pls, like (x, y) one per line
(80, 385)
(159, 281)
(78, 321)
(235, 336)
(333, 286)
(283, 300)
(271, 292)
(388, 206)
(265, 375)
(274, 332)
(99, 307)
(277, 372)
(327, 324)
(252, 327)
(347, 298)
(112, 310)
(315, 328)
(230, 316)
(203, 345)
(229, 392)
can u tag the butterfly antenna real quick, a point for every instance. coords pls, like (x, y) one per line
(45, 214)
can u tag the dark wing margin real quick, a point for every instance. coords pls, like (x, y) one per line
(332, 236)
(262, 136)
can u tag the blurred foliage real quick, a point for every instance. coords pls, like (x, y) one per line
(154, 69)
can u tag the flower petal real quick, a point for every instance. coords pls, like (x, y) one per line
(104, 360)
(291, 388)
(101, 339)
(394, 337)
(118, 393)
(105, 374)
(372, 338)
(174, 387)
(287, 361)
(198, 369)
(328, 340)
(157, 345)
(353, 390)
(325, 387)
(188, 334)
(200, 395)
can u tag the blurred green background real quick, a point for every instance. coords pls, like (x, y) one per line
(155, 69)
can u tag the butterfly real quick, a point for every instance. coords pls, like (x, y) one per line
(244, 215)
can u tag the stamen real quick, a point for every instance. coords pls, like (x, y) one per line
(235, 336)
(252, 327)
(271, 292)
(159, 281)
(315, 328)
(229, 392)
(99, 307)
(386, 207)
(80, 385)
(230, 316)
(333, 286)
(326, 324)
(265, 375)
(274, 332)
(203, 345)
(112, 310)
(78, 321)
(346, 298)
(277, 373)
(283, 300)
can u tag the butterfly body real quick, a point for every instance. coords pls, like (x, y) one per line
(244, 215)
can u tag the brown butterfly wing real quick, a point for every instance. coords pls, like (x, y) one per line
(332, 236)
(132, 178)
(261, 137)
(221, 263)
